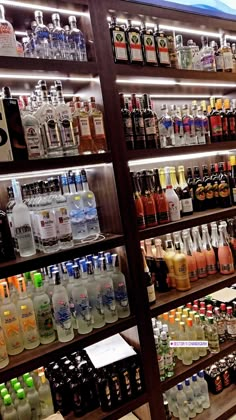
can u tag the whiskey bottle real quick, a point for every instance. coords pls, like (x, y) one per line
(127, 123)
(149, 124)
(97, 127)
(134, 44)
(149, 48)
(119, 44)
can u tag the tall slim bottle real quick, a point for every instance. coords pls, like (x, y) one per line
(160, 200)
(61, 310)
(181, 269)
(138, 124)
(82, 307)
(134, 44)
(119, 43)
(209, 252)
(216, 130)
(127, 123)
(199, 254)
(138, 201)
(149, 124)
(120, 289)
(95, 298)
(186, 199)
(192, 263)
(150, 212)
(43, 312)
(108, 294)
(90, 206)
(226, 261)
(26, 315)
(22, 224)
(169, 256)
(149, 281)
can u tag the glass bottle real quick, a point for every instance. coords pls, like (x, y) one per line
(138, 201)
(178, 126)
(184, 54)
(192, 336)
(225, 257)
(199, 254)
(148, 201)
(199, 200)
(61, 310)
(119, 44)
(82, 307)
(198, 123)
(216, 131)
(162, 48)
(149, 124)
(219, 60)
(220, 321)
(8, 43)
(209, 252)
(197, 394)
(149, 281)
(120, 289)
(200, 335)
(186, 356)
(33, 398)
(207, 55)
(209, 190)
(230, 324)
(166, 353)
(23, 407)
(223, 187)
(212, 336)
(224, 120)
(94, 290)
(45, 397)
(160, 200)
(138, 124)
(43, 313)
(191, 261)
(148, 44)
(205, 120)
(42, 47)
(108, 294)
(97, 127)
(181, 269)
(227, 54)
(231, 120)
(172, 50)
(186, 199)
(81, 124)
(90, 205)
(32, 132)
(76, 41)
(233, 46)
(127, 122)
(58, 38)
(166, 128)
(188, 126)
(134, 44)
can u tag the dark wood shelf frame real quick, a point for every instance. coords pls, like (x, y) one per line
(40, 356)
(182, 372)
(200, 288)
(196, 219)
(21, 264)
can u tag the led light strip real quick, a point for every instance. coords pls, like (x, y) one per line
(153, 81)
(45, 77)
(153, 95)
(66, 95)
(177, 157)
(49, 172)
(32, 6)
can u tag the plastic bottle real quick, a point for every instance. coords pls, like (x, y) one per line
(197, 394)
(204, 390)
(33, 399)
(23, 409)
(3, 392)
(45, 397)
(61, 310)
(27, 319)
(10, 411)
(43, 313)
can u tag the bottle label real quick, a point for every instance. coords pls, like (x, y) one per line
(162, 45)
(135, 46)
(151, 293)
(62, 315)
(64, 231)
(187, 205)
(229, 268)
(231, 326)
(47, 228)
(24, 236)
(120, 45)
(51, 130)
(34, 142)
(192, 275)
(128, 129)
(150, 50)
(121, 295)
(67, 132)
(226, 378)
(82, 308)
(219, 62)
(200, 193)
(28, 323)
(228, 60)
(85, 128)
(232, 125)
(221, 327)
(44, 320)
(98, 127)
(150, 126)
(139, 128)
(218, 384)
(109, 298)
(224, 190)
(174, 211)
(208, 61)
(12, 329)
(209, 191)
(224, 122)
(216, 127)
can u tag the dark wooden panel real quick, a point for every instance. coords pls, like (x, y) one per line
(186, 222)
(182, 372)
(200, 288)
(32, 359)
(20, 265)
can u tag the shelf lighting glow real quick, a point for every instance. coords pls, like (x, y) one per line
(157, 81)
(48, 172)
(45, 77)
(20, 33)
(33, 6)
(174, 96)
(176, 157)
(66, 94)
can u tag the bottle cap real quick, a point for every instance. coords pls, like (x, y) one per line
(13, 381)
(194, 377)
(30, 382)
(38, 13)
(55, 16)
(163, 335)
(20, 394)
(17, 386)
(187, 382)
(71, 19)
(7, 399)
(38, 281)
(2, 386)
(25, 376)
(201, 374)
(180, 387)
(165, 328)
(4, 392)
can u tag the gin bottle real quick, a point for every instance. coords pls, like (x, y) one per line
(65, 124)
(90, 206)
(22, 224)
(62, 312)
(58, 38)
(7, 36)
(120, 290)
(76, 41)
(41, 37)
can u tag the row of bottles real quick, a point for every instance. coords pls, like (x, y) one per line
(44, 41)
(27, 397)
(45, 126)
(193, 256)
(186, 126)
(74, 296)
(141, 45)
(160, 198)
(221, 374)
(47, 220)
(187, 399)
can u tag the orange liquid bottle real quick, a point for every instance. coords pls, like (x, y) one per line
(191, 261)
(199, 254)
(138, 201)
(209, 252)
(226, 261)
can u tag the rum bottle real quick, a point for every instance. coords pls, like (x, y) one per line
(127, 123)
(119, 44)
(134, 44)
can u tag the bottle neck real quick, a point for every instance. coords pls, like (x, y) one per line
(182, 180)
(173, 179)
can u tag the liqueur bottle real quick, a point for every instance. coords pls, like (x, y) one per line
(162, 48)
(134, 44)
(149, 47)
(119, 44)
(138, 124)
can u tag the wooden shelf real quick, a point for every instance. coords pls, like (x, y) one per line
(77, 68)
(53, 163)
(40, 356)
(186, 222)
(117, 413)
(222, 405)
(200, 288)
(184, 150)
(182, 372)
(20, 264)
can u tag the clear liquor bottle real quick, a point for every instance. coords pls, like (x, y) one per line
(108, 295)
(76, 41)
(227, 54)
(120, 289)
(189, 128)
(198, 124)
(95, 296)
(7, 36)
(200, 335)
(33, 136)
(207, 56)
(178, 126)
(82, 307)
(58, 38)
(166, 129)
(61, 310)
(65, 124)
(41, 37)
(43, 313)
(90, 206)
(230, 323)
(212, 336)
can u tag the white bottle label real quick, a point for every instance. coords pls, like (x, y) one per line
(120, 45)
(24, 237)
(135, 46)
(231, 326)
(228, 60)
(151, 293)
(174, 210)
(64, 231)
(84, 127)
(33, 141)
(150, 126)
(187, 205)
(98, 127)
(150, 49)
(47, 227)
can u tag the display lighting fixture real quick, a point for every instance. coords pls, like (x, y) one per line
(177, 157)
(187, 96)
(48, 172)
(66, 94)
(45, 77)
(20, 33)
(157, 81)
(33, 6)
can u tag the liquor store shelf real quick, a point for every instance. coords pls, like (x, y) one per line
(117, 413)
(222, 405)
(200, 288)
(40, 356)
(184, 150)
(53, 163)
(20, 264)
(59, 66)
(182, 372)
(196, 219)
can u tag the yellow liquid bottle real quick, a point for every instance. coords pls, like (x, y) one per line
(181, 270)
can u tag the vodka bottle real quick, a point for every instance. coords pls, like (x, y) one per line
(192, 336)
(33, 399)
(120, 289)
(204, 390)
(178, 126)
(90, 206)
(75, 206)
(11, 203)
(4, 359)
(166, 352)
(183, 409)
(108, 294)
(10, 411)
(190, 399)
(58, 38)
(10, 323)
(46, 115)
(186, 356)
(22, 224)
(197, 394)
(64, 118)
(61, 310)
(76, 41)
(7, 36)
(189, 128)
(45, 397)
(95, 298)
(71, 271)
(33, 136)
(41, 37)
(82, 307)
(23, 408)
(166, 128)
(26, 315)
(200, 335)
(43, 313)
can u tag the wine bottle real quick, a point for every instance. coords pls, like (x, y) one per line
(160, 200)
(149, 206)
(186, 199)
(138, 201)
(149, 282)
(127, 123)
